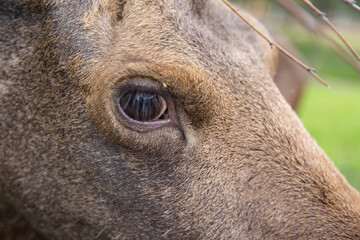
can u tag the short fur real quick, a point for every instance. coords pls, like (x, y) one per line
(240, 165)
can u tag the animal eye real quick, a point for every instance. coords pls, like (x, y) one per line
(143, 106)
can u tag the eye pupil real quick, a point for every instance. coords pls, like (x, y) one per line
(143, 106)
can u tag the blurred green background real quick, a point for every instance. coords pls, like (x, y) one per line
(332, 116)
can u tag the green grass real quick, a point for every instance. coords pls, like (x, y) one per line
(332, 116)
(317, 53)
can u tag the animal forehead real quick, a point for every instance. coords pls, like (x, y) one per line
(74, 19)
(105, 36)
(107, 4)
(169, 35)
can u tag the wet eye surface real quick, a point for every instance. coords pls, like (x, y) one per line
(143, 105)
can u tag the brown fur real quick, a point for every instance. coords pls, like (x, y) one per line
(239, 165)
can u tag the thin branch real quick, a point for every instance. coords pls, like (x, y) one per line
(289, 55)
(326, 20)
(313, 26)
(307, 20)
(352, 3)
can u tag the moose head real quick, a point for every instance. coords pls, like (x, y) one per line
(151, 119)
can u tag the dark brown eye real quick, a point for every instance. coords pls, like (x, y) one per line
(143, 105)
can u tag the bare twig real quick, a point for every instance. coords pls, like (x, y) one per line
(289, 55)
(353, 4)
(326, 20)
(312, 25)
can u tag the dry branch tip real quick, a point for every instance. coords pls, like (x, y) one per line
(332, 27)
(353, 4)
(281, 49)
